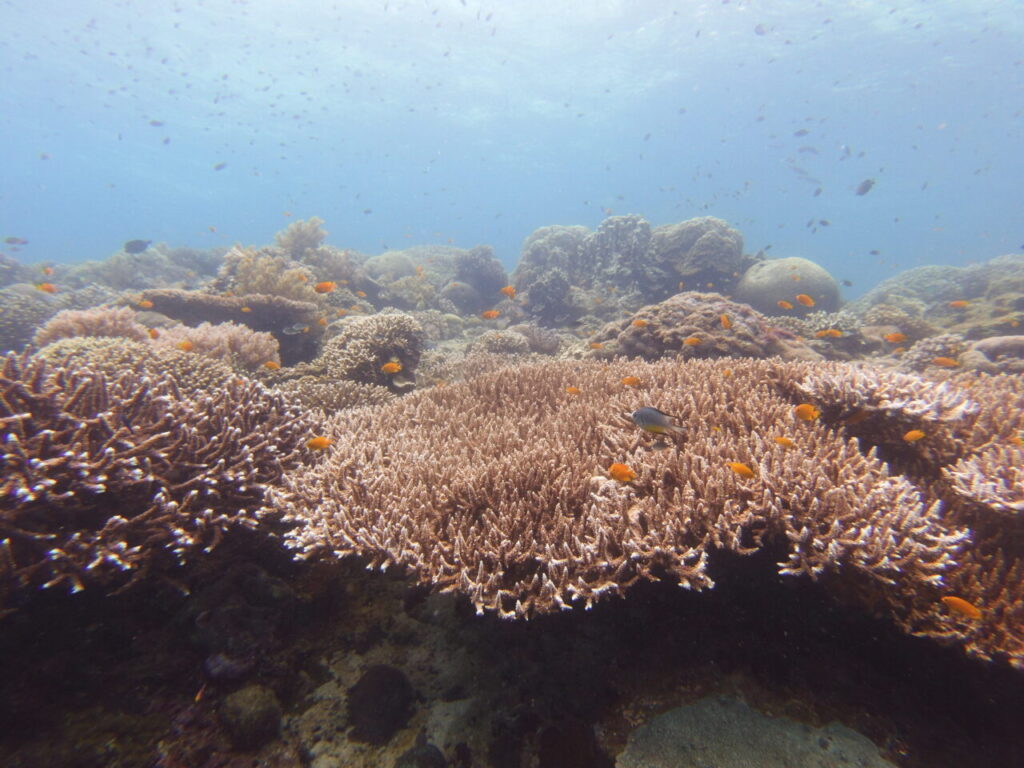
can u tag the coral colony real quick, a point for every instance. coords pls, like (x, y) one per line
(630, 405)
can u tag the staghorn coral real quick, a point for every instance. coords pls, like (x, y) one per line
(117, 322)
(333, 395)
(921, 355)
(510, 503)
(112, 357)
(266, 273)
(300, 237)
(237, 345)
(364, 344)
(662, 330)
(270, 314)
(106, 480)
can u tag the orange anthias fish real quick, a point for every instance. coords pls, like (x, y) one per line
(145, 304)
(318, 443)
(806, 412)
(510, 291)
(153, 333)
(639, 323)
(959, 304)
(361, 294)
(46, 287)
(945, 362)
(961, 607)
(913, 435)
(691, 341)
(631, 381)
(272, 365)
(185, 345)
(596, 345)
(784, 304)
(621, 472)
(490, 314)
(725, 321)
(804, 299)
(392, 366)
(828, 333)
(785, 442)
(573, 390)
(740, 468)
(325, 287)
(895, 338)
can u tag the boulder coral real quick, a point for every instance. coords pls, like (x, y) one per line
(697, 325)
(766, 283)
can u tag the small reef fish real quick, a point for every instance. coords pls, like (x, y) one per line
(650, 419)
(785, 442)
(185, 345)
(740, 468)
(153, 333)
(489, 314)
(145, 304)
(913, 436)
(725, 321)
(945, 362)
(325, 286)
(783, 304)
(806, 412)
(573, 390)
(621, 472)
(295, 328)
(15, 241)
(864, 187)
(596, 345)
(246, 309)
(639, 323)
(631, 381)
(510, 291)
(828, 333)
(895, 338)
(318, 443)
(804, 299)
(961, 607)
(691, 341)
(321, 321)
(361, 294)
(272, 365)
(46, 287)
(47, 271)
(392, 366)
(136, 246)
(959, 304)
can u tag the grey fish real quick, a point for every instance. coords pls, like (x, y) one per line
(136, 246)
(865, 186)
(651, 419)
(295, 328)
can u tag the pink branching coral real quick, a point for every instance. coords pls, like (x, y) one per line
(118, 322)
(106, 480)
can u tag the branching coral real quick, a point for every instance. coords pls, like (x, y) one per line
(235, 344)
(697, 325)
(108, 479)
(265, 272)
(117, 322)
(365, 345)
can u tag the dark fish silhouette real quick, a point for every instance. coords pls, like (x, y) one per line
(136, 246)
(865, 186)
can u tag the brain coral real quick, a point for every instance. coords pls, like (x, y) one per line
(695, 325)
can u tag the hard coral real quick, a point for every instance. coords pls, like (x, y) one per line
(117, 322)
(693, 325)
(365, 344)
(106, 480)
(237, 345)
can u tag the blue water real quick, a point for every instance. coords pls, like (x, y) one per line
(475, 122)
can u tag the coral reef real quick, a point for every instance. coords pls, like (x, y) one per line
(479, 268)
(116, 322)
(237, 345)
(703, 253)
(766, 283)
(300, 237)
(501, 342)
(266, 273)
(271, 314)
(22, 310)
(112, 357)
(108, 480)
(364, 345)
(514, 506)
(697, 325)
(158, 265)
(333, 395)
